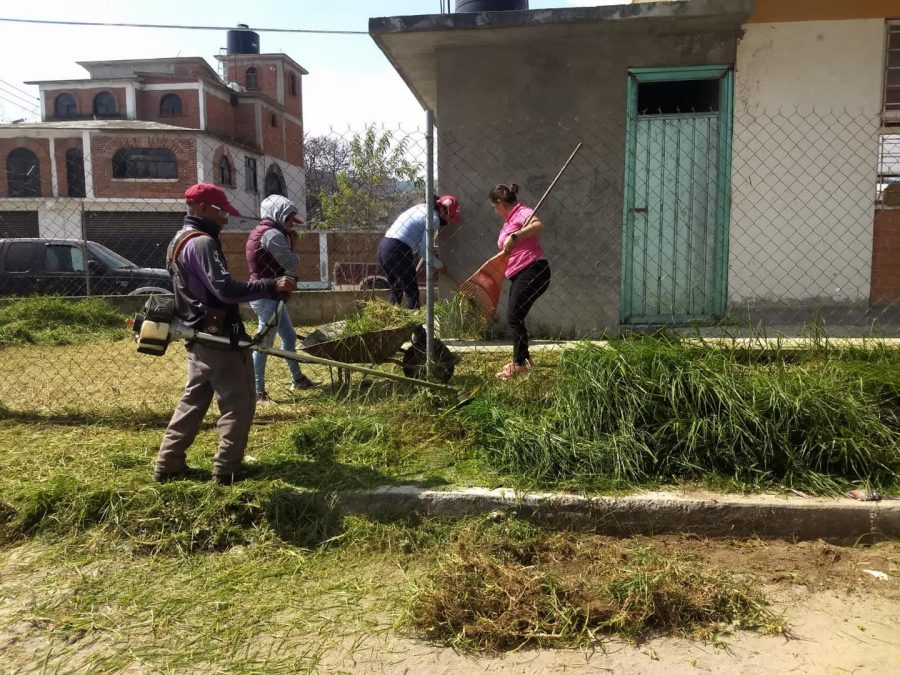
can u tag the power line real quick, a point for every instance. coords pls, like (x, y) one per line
(28, 101)
(18, 105)
(17, 89)
(105, 24)
(26, 104)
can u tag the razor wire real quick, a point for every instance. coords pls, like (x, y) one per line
(774, 221)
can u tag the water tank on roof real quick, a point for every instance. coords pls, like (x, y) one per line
(242, 40)
(490, 5)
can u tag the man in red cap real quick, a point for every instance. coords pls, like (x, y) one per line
(206, 298)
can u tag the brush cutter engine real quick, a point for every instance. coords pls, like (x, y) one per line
(153, 325)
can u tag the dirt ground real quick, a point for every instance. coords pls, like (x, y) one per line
(832, 633)
(842, 620)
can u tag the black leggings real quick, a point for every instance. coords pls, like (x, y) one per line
(399, 265)
(527, 286)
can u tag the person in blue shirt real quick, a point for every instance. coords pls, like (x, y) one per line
(404, 244)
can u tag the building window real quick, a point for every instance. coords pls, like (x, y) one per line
(104, 104)
(292, 82)
(273, 120)
(252, 78)
(223, 171)
(65, 106)
(145, 163)
(170, 106)
(892, 77)
(889, 159)
(75, 173)
(250, 182)
(63, 258)
(275, 184)
(23, 173)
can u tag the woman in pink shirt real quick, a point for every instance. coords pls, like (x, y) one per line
(528, 271)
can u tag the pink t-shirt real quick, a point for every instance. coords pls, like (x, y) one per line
(525, 251)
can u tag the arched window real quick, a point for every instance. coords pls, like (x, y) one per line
(65, 106)
(75, 173)
(23, 173)
(252, 79)
(274, 184)
(146, 163)
(170, 106)
(224, 171)
(104, 104)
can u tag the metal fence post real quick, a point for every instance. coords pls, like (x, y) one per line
(429, 242)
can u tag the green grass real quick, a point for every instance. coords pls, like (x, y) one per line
(657, 410)
(103, 604)
(50, 320)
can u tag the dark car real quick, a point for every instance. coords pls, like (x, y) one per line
(73, 267)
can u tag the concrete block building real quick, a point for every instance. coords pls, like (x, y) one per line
(732, 153)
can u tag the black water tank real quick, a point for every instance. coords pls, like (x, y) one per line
(490, 5)
(242, 40)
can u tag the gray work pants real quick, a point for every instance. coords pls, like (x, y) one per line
(229, 375)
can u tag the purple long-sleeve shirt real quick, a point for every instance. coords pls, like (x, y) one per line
(204, 280)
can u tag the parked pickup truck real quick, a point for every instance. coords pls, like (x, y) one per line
(73, 267)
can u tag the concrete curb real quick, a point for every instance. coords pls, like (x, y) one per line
(770, 517)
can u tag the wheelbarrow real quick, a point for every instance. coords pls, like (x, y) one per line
(380, 346)
(156, 327)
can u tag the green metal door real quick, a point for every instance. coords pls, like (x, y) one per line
(675, 220)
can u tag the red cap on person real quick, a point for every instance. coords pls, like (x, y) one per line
(207, 193)
(452, 204)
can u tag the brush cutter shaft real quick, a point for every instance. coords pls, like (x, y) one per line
(179, 332)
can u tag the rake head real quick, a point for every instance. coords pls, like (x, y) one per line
(483, 287)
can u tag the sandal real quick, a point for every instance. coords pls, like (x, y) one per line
(511, 370)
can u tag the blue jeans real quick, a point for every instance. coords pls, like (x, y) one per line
(264, 310)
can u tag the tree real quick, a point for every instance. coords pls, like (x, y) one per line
(380, 180)
(326, 157)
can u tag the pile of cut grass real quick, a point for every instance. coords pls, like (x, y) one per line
(508, 586)
(457, 317)
(461, 318)
(181, 517)
(651, 410)
(52, 320)
(376, 315)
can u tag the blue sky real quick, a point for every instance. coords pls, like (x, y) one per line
(350, 81)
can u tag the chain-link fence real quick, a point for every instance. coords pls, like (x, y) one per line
(695, 220)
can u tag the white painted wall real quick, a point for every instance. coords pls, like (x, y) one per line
(59, 218)
(248, 202)
(807, 99)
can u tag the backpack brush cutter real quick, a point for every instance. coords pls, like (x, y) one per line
(156, 326)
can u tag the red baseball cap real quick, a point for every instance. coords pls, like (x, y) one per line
(207, 193)
(452, 204)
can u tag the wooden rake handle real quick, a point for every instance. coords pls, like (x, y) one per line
(547, 191)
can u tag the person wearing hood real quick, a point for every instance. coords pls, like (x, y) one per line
(270, 252)
(206, 298)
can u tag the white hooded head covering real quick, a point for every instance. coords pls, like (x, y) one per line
(278, 209)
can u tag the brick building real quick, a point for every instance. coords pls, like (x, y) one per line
(113, 153)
